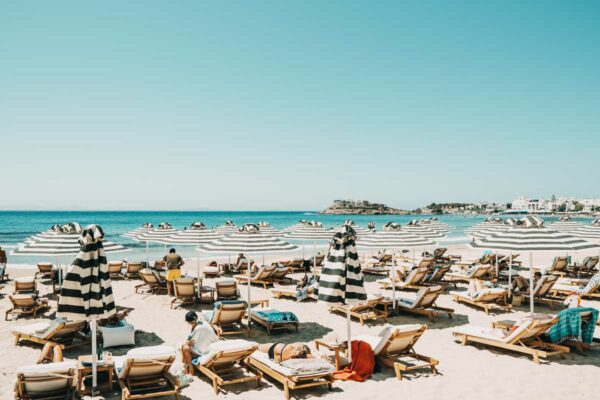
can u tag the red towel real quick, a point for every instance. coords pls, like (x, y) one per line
(363, 363)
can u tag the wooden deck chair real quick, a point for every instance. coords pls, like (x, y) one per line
(226, 317)
(25, 304)
(437, 276)
(291, 378)
(3, 263)
(590, 290)
(261, 277)
(55, 332)
(320, 258)
(144, 373)
(46, 381)
(132, 270)
(394, 348)
(25, 285)
(485, 259)
(363, 312)
(558, 267)
(541, 292)
(292, 292)
(212, 270)
(297, 264)
(280, 274)
(224, 363)
(522, 337)
(152, 282)
(487, 299)
(185, 291)
(424, 303)
(586, 268)
(227, 289)
(44, 270)
(479, 271)
(114, 269)
(413, 281)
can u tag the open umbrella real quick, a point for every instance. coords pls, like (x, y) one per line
(155, 235)
(341, 279)
(86, 293)
(247, 240)
(314, 233)
(532, 238)
(267, 229)
(144, 228)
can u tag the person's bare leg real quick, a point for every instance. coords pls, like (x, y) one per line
(50, 353)
(186, 356)
(57, 354)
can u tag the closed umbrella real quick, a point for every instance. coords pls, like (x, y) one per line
(247, 240)
(341, 280)
(86, 293)
(531, 238)
(393, 237)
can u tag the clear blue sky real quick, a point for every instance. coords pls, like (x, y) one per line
(289, 105)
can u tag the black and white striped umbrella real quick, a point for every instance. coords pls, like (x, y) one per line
(308, 233)
(485, 229)
(191, 237)
(154, 235)
(50, 243)
(86, 293)
(565, 226)
(227, 228)
(589, 231)
(144, 228)
(267, 229)
(424, 231)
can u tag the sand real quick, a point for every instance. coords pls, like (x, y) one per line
(465, 372)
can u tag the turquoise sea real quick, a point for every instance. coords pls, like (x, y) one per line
(16, 226)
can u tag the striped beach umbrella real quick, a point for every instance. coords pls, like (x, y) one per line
(314, 234)
(589, 231)
(227, 228)
(267, 229)
(341, 280)
(531, 239)
(144, 228)
(485, 229)
(565, 226)
(424, 231)
(155, 235)
(86, 293)
(393, 237)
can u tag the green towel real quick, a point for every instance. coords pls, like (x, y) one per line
(569, 326)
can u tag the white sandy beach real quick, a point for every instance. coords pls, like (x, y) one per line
(465, 372)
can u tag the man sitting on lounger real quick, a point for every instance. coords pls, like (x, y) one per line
(521, 284)
(197, 342)
(280, 351)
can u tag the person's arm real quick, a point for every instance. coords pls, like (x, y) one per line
(181, 262)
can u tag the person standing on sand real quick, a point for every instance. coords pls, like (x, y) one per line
(173, 262)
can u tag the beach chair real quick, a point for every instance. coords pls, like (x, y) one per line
(485, 259)
(437, 276)
(541, 292)
(3, 263)
(294, 374)
(132, 270)
(224, 363)
(185, 291)
(62, 333)
(365, 311)
(318, 260)
(292, 292)
(381, 260)
(487, 298)
(523, 337)
(114, 269)
(44, 270)
(273, 320)
(261, 277)
(226, 317)
(227, 289)
(25, 285)
(413, 281)
(212, 270)
(25, 304)
(280, 274)
(152, 282)
(297, 264)
(424, 303)
(479, 271)
(46, 381)
(394, 348)
(144, 373)
(558, 267)
(589, 289)
(586, 268)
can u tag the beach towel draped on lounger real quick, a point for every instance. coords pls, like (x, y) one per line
(276, 316)
(362, 366)
(570, 326)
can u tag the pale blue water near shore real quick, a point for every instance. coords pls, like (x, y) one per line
(16, 226)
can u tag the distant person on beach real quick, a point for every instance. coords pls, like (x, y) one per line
(174, 263)
(239, 262)
(521, 284)
(201, 336)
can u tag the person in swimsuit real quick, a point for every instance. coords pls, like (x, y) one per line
(280, 351)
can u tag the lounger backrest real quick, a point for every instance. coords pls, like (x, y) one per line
(280, 272)
(479, 271)
(147, 362)
(559, 263)
(229, 312)
(148, 277)
(430, 296)
(438, 274)
(416, 276)
(226, 289)
(44, 267)
(488, 295)
(184, 287)
(66, 329)
(264, 272)
(370, 303)
(528, 328)
(402, 340)
(320, 260)
(426, 262)
(133, 268)
(25, 285)
(39, 379)
(22, 300)
(590, 262)
(226, 352)
(439, 252)
(385, 258)
(114, 267)
(544, 285)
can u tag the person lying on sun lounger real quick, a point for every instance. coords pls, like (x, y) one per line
(197, 343)
(280, 351)
(476, 285)
(51, 353)
(520, 283)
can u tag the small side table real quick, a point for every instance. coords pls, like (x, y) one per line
(85, 371)
(335, 347)
(259, 303)
(207, 293)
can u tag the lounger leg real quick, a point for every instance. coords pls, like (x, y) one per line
(398, 371)
(215, 386)
(286, 391)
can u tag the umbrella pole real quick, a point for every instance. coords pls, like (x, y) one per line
(531, 282)
(497, 266)
(315, 256)
(94, 356)
(147, 255)
(349, 333)
(249, 299)
(393, 283)
(198, 275)
(414, 258)
(509, 274)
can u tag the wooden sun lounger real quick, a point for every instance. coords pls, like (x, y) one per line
(46, 381)
(290, 382)
(63, 334)
(525, 339)
(227, 318)
(261, 277)
(290, 291)
(25, 285)
(296, 264)
(227, 290)
(485, 299)
(424, 303)
(185, 291)
(44, 270)
(25, 304)
(132, 270)
(558, 267)
(152, 282)
(274, 326)
(562, 290)
(363, 312)
(541, 292)
(479, 271)
(586, 268)
(413, 281)
(114, 269)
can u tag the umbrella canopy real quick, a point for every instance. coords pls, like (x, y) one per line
(310, 233)
(248, 239)
(341, 280)
(191, 236)
(484, 229)
(227, 228)
(565, 226)
(424, 231)
(393, 239)
(358, 230)
(532, 239)
(52, 243)
(86, 290)
(156, 234)
(144, 228)
(590, 231)
(267, 229)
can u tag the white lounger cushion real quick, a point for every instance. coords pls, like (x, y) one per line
(377, 342)
(225, 346)
(481, 293)
(37, 329)
(149, 353)
(118, 335)
(26, 279)
(42, 370)
(294, 369)
(495, 334)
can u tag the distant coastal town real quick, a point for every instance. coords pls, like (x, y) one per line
(520, 205)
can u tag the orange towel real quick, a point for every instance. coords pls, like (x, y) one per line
(363, 363)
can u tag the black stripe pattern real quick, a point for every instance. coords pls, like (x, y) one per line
(87, 289)
(341, 280)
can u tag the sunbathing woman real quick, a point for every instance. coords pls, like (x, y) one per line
(280, 351)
